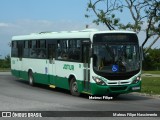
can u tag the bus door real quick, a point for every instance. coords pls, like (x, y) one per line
(86, 65)
(51, 63)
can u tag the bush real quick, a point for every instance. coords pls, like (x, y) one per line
(152, 60)
(5, 63)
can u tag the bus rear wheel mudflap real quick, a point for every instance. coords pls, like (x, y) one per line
(74, 87)
(31, 79)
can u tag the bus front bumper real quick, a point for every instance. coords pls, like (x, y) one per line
(116, 89)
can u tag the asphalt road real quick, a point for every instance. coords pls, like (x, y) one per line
(17, 95)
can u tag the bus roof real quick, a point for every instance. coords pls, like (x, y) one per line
(65, 34)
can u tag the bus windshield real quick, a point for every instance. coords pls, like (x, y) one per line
(116, 53)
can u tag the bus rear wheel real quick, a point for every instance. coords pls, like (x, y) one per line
(74, 87)
(31, 79)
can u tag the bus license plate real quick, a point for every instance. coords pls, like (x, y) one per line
(135, 88)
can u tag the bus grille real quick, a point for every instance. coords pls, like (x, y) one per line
(118, 88)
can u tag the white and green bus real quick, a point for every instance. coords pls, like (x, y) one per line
(88, 61)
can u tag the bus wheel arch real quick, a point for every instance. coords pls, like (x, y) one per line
(30, 77)
(73, 86)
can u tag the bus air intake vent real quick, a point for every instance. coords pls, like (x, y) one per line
(118, 88)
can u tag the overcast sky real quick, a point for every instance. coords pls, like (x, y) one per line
(28, 16)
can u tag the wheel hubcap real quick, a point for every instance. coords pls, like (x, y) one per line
(30, 80)
(74, 86)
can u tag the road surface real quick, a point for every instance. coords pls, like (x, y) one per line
(17, 95)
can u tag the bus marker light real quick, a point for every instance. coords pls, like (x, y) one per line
(52, 86)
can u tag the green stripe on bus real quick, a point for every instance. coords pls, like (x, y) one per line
(62, 82)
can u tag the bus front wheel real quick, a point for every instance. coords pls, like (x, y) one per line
(74, 87)
(31, 79)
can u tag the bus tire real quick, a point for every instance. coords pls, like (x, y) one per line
(74, 87)
(31, 79)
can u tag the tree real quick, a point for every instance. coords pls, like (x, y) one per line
(151, 61)
(145, 15)
(5, 63)
(105, 15)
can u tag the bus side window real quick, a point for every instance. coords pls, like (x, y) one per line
(51, 51)
(62, 49)
(69, 49)
(26, 49)
(14, 49)
(20, 49)
(58, 49)
(74, 50)
(32, 49)
(41, 48)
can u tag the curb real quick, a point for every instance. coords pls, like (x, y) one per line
(146, 95)
(5, 73)
(150, 75)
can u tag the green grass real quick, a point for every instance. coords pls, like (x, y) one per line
(151, 72)
(151, 85)
(5, 69)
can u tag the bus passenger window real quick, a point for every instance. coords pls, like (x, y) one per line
(62, 51)
(74, 50)
(14, 52)
(26, 49)
(41, 48)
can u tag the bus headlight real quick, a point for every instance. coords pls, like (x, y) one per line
(98, 81)
(136, 80)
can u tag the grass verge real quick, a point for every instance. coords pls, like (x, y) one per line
(5, 69)
(151, 72)
(151, 85)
